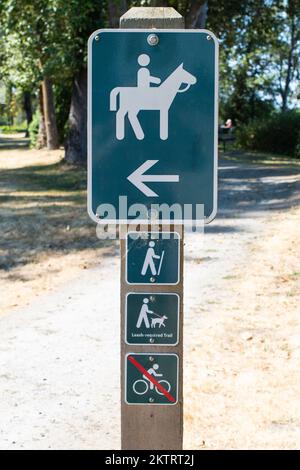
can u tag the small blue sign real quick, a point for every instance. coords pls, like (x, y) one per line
(151, 379)
(153, 258)
(152, 318)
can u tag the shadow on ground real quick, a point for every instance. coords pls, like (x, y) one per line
(43, 208)
(43, 211)
(9, 143)
(249, 189)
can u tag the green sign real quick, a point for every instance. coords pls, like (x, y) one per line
(152, 258)
(152, 132)
(152, 318)
(151, 379)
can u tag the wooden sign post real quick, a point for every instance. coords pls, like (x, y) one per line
(152, 404)
(152, 161)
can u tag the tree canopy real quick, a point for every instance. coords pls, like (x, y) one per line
(43, 52)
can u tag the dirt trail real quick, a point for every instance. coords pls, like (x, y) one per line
(242, 346)
(46, 235)
(242, 337)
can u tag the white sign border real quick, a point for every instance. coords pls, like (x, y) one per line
(92, 215)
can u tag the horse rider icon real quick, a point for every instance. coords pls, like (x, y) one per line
(129, 101)
(144, 78)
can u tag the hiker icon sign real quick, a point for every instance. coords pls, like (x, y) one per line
(152, 258)
(145, 97)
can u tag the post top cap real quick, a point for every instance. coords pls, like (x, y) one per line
(151, 13)
(152, 17)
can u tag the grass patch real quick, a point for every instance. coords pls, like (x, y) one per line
(54, 177)
(12, 129)
(43, 211)
(259, 158)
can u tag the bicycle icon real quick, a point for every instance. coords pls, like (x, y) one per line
(150, 379)
(140, 387)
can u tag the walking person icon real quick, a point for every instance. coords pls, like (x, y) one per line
(143, 316)
(149, 260)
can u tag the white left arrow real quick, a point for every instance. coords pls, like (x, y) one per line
(138, 178)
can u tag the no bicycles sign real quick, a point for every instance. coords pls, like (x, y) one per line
(151, 379)
(152, 125)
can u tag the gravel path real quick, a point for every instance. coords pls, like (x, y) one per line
(59, 360)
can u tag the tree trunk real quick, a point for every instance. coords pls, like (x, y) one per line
(76, 142)
(49, 114)
(42, 138)
(8, 107)
(116, 8)
(27, 108)
(196, 17)
(289, 72)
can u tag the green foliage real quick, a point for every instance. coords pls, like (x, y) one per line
(12, 129)
(35, 34)
(243, 109)
(259, 50)
(259, 53)
(33, 129)
(279, 134)
(46, 39)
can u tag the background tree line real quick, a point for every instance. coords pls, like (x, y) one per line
(43, 58)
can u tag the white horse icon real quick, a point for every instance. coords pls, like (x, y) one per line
(132, 100)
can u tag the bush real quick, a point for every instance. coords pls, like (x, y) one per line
(279, 134)
(33, 129)
(242, 109)
(12, 129)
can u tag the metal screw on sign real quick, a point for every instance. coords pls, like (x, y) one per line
(151, 400)
(208, 37)
(152, 279)
(97, 38)
(151, 358)
(152, 39)
(152, 298)
(151, 340)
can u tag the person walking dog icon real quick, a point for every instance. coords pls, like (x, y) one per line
(144, 78)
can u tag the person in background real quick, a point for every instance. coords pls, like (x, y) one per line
(228, 124)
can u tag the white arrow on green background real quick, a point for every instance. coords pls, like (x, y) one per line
(138, 178)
